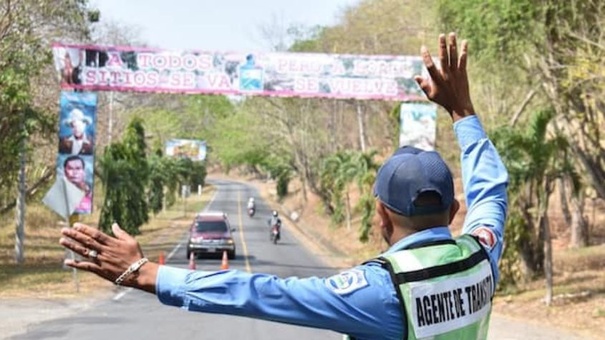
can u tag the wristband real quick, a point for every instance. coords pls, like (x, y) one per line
(133, 268)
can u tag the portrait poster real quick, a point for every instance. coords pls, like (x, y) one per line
(77, 133)
(418, 125)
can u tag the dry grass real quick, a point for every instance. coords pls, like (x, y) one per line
(42, 275)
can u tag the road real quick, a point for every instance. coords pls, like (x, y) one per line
(135, 315)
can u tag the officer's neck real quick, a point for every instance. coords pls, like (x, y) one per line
(403, 226)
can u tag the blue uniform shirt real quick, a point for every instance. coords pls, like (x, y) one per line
(362, 301)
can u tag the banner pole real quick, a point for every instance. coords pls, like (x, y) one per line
(20, 210)
(110, 122)
(70, 219)
(70, 222)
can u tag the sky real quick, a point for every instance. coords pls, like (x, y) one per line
(220, 25)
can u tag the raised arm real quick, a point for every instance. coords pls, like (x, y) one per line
(484, 176)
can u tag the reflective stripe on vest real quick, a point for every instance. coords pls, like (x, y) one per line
(444, 288)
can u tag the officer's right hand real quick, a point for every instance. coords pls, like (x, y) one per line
(448, 85)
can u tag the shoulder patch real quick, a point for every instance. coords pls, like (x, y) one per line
(486, 236)
(347, 282)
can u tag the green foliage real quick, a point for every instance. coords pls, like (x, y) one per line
(158, 176)
(282, 186)
(198, 174)
(305, 40)
(94, 16)
(366, 176)
(201, 114)
(168, 175)
(125, 174)
(394, 123)
(239, 142)
(190, 173)
(552, 46)
(26, 27)
(533, 157)
(492, 27)
(516, 233)
(337, 172)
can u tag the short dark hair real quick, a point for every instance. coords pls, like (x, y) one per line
(74, 158)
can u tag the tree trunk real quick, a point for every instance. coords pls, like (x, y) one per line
(562, 183)
(336, 105)
(548, 265)
(544, 226)
(531, 251)
(579, 226)
(528, 257)
(362, 130)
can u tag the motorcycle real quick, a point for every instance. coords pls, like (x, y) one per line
(275, 234)
(251, 212)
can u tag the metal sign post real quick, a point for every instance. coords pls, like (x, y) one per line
(63, 197)
(70, 223)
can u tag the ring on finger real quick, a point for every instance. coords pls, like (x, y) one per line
(93, 254)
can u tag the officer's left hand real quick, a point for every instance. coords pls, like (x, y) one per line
(448, 85)
(113, 254)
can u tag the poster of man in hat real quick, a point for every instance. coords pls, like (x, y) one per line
(75, 160)
(77, 128)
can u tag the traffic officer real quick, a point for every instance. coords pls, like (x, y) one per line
(426, 285)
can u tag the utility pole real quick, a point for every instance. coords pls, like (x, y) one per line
(362, 130)
(20, 211)
(110, 120)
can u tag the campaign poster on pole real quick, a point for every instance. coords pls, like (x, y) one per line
(77, 134)
(418, 125)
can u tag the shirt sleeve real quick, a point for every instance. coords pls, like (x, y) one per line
(485, 180)
(345, 303)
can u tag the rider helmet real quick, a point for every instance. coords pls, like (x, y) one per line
(274, 213)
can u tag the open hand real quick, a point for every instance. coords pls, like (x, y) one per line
(448, 85)
(108, 256)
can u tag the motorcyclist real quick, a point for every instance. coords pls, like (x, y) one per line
(251, 204)
(275, 221)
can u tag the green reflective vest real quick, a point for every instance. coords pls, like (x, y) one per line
(445, 288)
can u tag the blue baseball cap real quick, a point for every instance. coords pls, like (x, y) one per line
(410, 172)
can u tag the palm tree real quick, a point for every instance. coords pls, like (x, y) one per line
(365, 176)
(338, 172)
(535, 158)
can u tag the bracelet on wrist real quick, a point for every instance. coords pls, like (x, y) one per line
(132, 269)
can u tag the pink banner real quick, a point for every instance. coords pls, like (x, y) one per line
(108, 68)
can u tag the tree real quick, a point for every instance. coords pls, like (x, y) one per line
(27, 106)
(158, 176)
(365, 177)
(338, 172)
(535, 158)
(555, 47)
(125, 172)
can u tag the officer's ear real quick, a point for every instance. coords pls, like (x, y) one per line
(454, 210)
(384, 223)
